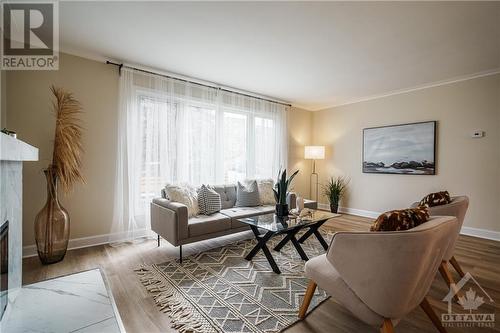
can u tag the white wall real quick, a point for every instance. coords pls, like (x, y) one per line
(464, 165)
(299, 133)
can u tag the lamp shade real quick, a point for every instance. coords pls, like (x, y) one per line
(314, 152)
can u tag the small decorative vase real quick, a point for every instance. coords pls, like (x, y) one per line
(334, 207)
(281, 210)
(299, 202)
(51, 224)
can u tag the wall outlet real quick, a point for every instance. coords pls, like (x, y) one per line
(477, 134)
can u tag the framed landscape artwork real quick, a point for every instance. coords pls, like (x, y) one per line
(400, 149)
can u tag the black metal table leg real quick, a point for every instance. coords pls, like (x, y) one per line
(299, 249)
(306, 235)
(270, 259)
(321, 239)
(261, 245)
(314, 229)
(282, 243)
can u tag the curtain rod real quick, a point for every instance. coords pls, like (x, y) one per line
(120, 66)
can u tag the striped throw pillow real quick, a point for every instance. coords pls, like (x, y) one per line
(247, 195)
(208, 200)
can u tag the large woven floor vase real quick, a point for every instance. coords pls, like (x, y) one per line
(52, 224)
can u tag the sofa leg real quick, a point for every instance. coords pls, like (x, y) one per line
(180, 254)
(158, 240)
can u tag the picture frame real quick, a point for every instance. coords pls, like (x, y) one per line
(407, 149)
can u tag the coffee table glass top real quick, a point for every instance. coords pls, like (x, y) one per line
(271, 222)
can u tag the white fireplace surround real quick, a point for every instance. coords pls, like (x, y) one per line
(13, 153)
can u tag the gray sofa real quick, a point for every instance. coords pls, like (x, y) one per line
(170, 219)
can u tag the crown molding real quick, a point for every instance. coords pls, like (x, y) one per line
(408, 90)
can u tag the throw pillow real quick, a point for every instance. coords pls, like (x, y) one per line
(184, 194)
(247, 195)
(208, 200)
(266, 193)
(403, 219)
(436, 199)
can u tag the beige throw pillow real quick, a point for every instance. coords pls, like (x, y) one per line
(184, 194)
(266, 193)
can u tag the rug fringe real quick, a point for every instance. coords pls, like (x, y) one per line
(182, 314)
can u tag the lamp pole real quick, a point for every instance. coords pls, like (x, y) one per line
(314, 173)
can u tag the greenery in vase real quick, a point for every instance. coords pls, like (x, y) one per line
(282, 186)
(335, 189)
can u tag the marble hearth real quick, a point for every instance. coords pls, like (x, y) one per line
(13, 153)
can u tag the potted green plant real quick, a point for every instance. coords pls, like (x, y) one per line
(281, 192)
(334, 190)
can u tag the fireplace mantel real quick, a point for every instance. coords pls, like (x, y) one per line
(12, 149)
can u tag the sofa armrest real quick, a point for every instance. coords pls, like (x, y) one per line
(291, 200)
(169, 220)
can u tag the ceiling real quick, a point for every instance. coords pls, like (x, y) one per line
(314, 55)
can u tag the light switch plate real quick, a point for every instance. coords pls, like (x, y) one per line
(477, 134)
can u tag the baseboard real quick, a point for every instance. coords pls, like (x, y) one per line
(469, 231)
(78, 243)
(481, 233)
(351, 211)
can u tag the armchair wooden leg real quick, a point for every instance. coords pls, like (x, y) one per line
(387, 326)
(311, 288)
(429, 311)
(448, 278)
(457, 267)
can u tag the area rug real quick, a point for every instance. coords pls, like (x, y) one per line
(220, 291)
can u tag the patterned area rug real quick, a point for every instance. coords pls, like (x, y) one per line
(219, 291)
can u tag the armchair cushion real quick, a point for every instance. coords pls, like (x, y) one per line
(321, 271)
(436, 199)
(403, 219)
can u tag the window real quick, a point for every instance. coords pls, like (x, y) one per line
(235, 147)
(172, 131)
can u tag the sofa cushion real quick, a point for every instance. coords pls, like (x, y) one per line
(240, 212)
(265, 209)
(404, 219)
(227, 195)
(208, 200)
(207, 224)
(247, 194)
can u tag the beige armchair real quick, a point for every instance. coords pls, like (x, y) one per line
(381, 276)
(458, 208)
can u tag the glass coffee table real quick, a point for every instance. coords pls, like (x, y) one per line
(288, 226)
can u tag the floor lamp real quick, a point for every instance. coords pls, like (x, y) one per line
(314, 153)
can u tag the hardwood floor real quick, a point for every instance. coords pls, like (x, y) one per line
(480, 257)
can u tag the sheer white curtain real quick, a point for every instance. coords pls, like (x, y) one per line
(170, 131)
